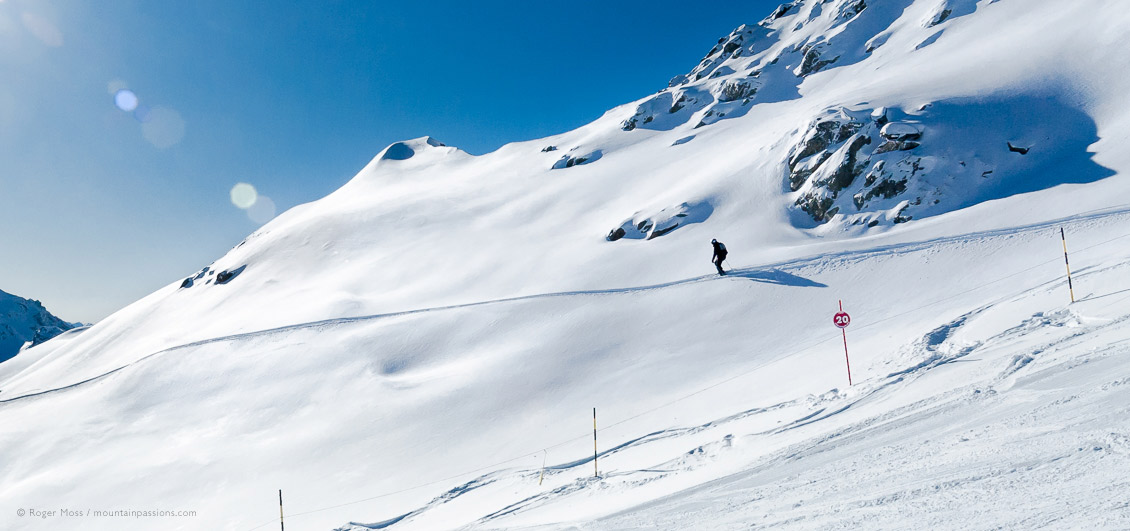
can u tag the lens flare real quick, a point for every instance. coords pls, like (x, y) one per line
(142, 113)
(126, 100)
(262, 211)
(163, 127)
(43, 29)
(116, 85)
(243, 195)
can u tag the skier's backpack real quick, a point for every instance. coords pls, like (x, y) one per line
(722, 252)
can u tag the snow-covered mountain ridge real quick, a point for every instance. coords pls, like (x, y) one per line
(416, 344)
(25, 323)
(917, 158)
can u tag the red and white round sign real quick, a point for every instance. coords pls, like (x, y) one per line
(842, 319)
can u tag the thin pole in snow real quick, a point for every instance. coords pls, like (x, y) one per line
(282, 527)
(543, 460)
(847, 359)
(595, 472)
(1070, 288)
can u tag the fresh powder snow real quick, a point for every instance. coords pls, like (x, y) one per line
(423, 348)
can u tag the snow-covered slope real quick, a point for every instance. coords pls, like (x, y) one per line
(25, 323)
(408, 350)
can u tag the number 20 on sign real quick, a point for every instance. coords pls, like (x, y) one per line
(842, 320)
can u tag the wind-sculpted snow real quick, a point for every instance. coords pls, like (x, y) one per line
(427, 377)
(893, 421)
(405, 150)
(408, 351)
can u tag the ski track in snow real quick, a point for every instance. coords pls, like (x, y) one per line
(981, 400)
(887, 422)
(928, 353)
(837, 403)
(885, 426)
(771, 273)
(890, 421)
(940, 406)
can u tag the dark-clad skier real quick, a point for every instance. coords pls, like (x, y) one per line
(719, 255)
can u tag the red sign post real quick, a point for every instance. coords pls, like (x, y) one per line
(842, 320)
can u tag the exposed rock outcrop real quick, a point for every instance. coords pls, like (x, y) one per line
(839, 147)
(736, 90)
(646, 226)
(225, 276)
(900, 131)
(567, 161)
(764, 63)
(813, 60)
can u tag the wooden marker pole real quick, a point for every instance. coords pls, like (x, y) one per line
(282, 527)
(543, 460)
(1068, 264)
(595, 471)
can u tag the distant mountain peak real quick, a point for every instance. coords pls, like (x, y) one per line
(25, 323)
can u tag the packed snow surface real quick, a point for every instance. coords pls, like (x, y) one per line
(423, 348)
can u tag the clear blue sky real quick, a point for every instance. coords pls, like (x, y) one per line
(99, 208)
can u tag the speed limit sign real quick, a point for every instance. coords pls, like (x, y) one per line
(842, 320)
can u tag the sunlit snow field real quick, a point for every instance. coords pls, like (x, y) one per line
(423, 348)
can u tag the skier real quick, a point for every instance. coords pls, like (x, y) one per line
(719, 255)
